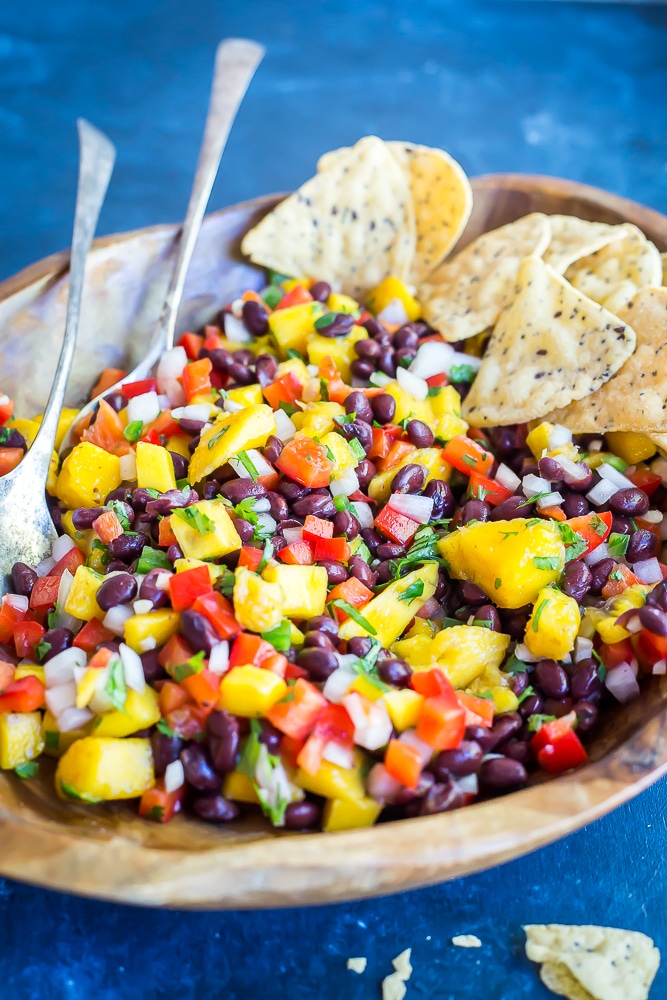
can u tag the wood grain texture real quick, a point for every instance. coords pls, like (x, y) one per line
(106, 851)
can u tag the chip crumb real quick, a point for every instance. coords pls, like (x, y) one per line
(357, 965)
(466, 941)
(402, 964)
(393, 987)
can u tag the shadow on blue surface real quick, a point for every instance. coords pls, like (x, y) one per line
(568, 89)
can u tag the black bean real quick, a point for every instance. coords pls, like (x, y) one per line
(519, 750)
(221, 359)
(174, 552)
(587, 715)
(321, 291)
(345, 524)
(502, 774)
(511, 508)
(557, 706)
(23, 579)
(194, 427)
(316, 504)
(585, 683)
(336, 572)
(193, 444)
(273, 448)
(116, 400)
(198, 768)
(374, 326)
(389, 550)
(359, 645)
(59, 639)
(465, 759)
(643, 544)
(320, 663)
(237, 490)
(575, 505)
(171, 500)
(362, 572)
(240, 374)
(424, 785)
(444, 503)
(116, 590)
(127, 548)
(577, 579)
(367, 348)
(550, 469)
(487, 613)
(514, 622)
(198, 632)
(278, 508)
(360, 431)
(658, 596)
(244, 356)
(406, 337)
(139, 498)
(505, 727)
(180, 465)
(443, 588)
(532, 705)
(365, 471)
(125, 494)
(166, 749)
(357, 403)
(387, 362)
(14, 439)
(322, 623)
(384, 408)
(621, 525)
(255, 318)
(244, 528)
(385, 571)
(362, 368)
(278, 542)
(551, 678)
(153, 669)
(441, 797)
(654, 620)
(302, 815)
(420, 434)
(472, 594)
(83, 517)
(149, 592)
(475, 510)
(211, 490)
(266, 367)
(115, 566)
(395, 672)
(317, 639)
(633, 502)
(216, 808)
(290, 490)
(409, 479)
(371, 538)
(335, 324)
(600, 573)
(224, 735)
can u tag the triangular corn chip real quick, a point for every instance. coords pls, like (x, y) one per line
(612, 275)
(573, 238)
(551, 343)
(635, 398)
(607, 963)
(558, 978)
(441, 197)
(353, 225)
(467, 294)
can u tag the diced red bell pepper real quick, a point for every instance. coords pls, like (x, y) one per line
(566, 753)
(431, 683)
(309, 758)
(277, 664)
(100, 659)
(299, 553)
(26, 637)
(186, 587)
(296, 717)
(296, 296)
(187, 721)
(219, 612)
(176, 650)
(6, 409)
(70, 562)
(353, 592)
(441, 722)
(620, 578)
(479, 711)
(192, 344)
(434, 381)
(162, 428)
(648, 647)
(315, 528)
(614, 653)
(645, 480)
(249, 650)
(481, 487)
(9, 617)
(171, 697)
(593, 528)
(398, 527)
(166, 536)
(403, 762)
(213, 339)
(305, 461)
(7, 671)
(44, 592)
(250, 557)
(332, 548)
(553, 511)
(196, 377)
(132, 389)
(467, 456)
(383, 439)
(203, 688)
(24, 695)
(290, 749)
(108, 526)
(158, 805)
(293, 672)
(398, 452)
(286, 389)
(337, 391)
(91, 635)
(552, 732)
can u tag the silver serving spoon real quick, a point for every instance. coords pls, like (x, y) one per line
(26, 529)
(236, 60)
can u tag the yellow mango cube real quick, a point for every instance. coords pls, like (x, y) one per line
(318, 418)
(363, 686)
(139, 712)
(304, 589)
(297, 367)
(463, 652)
(179, 445)
(155, 467)
(504, 700)
(387, 613)
(28, 428)
(341, 815)
(55, 742)
(553, 625)
(246, 395)
(538, 438)
(407, 407)
(446, 408)
(82, 598)
(258, 603)
(338, 303)
(630, 446)
(88, 475)
(230, 434)
(96, 769)
(181, 565)
(610, 632)
(403, 707)
(205, 530)
(65, 420)
(389, 289)
(30, 670)
(21, 738)
(292, 327)
(250, 691)
(333, 782)
(238, 787)
(344, 458)
(339, 349)
(143, 632)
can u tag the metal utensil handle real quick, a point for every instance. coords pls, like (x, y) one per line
(235, 63)
(97, 155)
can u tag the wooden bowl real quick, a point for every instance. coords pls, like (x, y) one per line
(106, 851)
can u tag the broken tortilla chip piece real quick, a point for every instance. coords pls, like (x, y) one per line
(612, 275)
(573, 238)
(559, 980)
(353, 224)
(607, 963)
(551, 343)
(466, 295)
(635, 398)
(663, 257)
(441, 198)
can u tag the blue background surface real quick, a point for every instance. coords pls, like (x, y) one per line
(576, 90)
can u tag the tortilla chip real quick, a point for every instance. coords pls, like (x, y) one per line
(551, 343)
(663, 257)
(612, 275)
(608, 963)
(635, 399)
(441, 197)
(573, 238)
(466, 295)
(559, 980)
(352, 225)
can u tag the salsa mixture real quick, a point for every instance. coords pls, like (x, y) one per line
(328, 563)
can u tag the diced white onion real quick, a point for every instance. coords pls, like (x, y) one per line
(61, 697)
(132, 668)
(393, 312)
(237, 308)
(410, 738)
(79, 674)
(622, 683)
(262, 467)
(602, 492)
(583, 648)
(559, 435)
(174, 776)
(633, 624)
(164, 401)
(101, 700)
(412, 384)
(379, 379)
(417, 508)
(312, 370)
(60, 668)
(534, 484)
(573, 472)
(648, 570)
(345, 486)
(218, 661)
(44, 567)
(142, 607)
(292, 535)
(337, 754)
(468, 784)
(62, 546)
(65, 620)
(524, 654)
(382, 786)
(235, 329)
(261, 505)
(162, 579)
(337, 685)
(363, 513)
(231, 406)
(147, 644)
(612, 475)
(18, 602)
(285, 429)
(597, 555)
(659, 466)
(145, 408)
(193, 411)
(433, 358)
(653, 516)
(554, 499)
(507, 478)
(267, 522)
(115, 618)
(659, 667)
(170, 366)
(73, 718)
(128, 467)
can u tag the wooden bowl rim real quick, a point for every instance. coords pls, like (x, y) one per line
(315, 868)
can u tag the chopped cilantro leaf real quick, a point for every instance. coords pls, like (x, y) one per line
(293, 353)
(71, 793)
(538, 613)
(27, 770)
(115, 686)
(324, 390)
(617, 574)
(617, 544)
(156, 814)
(462, 373)
(546, 562)
(346, 418)
(248, 464)
(119, 509)
(598, 526)
(164, 728)
(289, 408)
(280, 637)
(267, 554)
(352, 613)
(225, 583)
(342, 503)
(515, 666)
(529, 691)
(42, 649)
(52, 739)
(216, 437)
(498, 583)
(535, 722)
(357, 450)
(434, 390)
(194, 665)
(470, 460)
(534, 498)
(575, 545)
(196, 519)
(152, 559)
(416, 589)
(482, 623)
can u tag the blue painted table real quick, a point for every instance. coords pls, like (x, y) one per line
(571, 89)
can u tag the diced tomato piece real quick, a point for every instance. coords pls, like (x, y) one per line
(250, 650)
(107, 431)
(296, 296)
(479, 711)
(158, 805)
(441, 722)
(315, 528)
(332, 548)
(398, 527)
(614, 653)
(299, 553)
(403, 762)
(166, 536)
(432, 683)
(9, 459)
(277, 664)
(45, 592)
(297, 716)
(196, 377)
(7, 671)
(132, 389)
(620, 578)
(24, 695)
(250, 557)
(91, 635)
(286, 389)
(397, 453)
(70, 562)
(203, 688)
(108, 378)
(552, 732)
(593, 528)
(553, 511)
(309, 758)
(176, 650)
(9, 617)
(468, 456)
(645, 480)
(566, 753)
(648, 647)
(26, 637)
(192, 344)
(353, 592)
(6, 408)
(305, 461)
(336, 390)
(219, 612)
(481, 487)
(172, 696)
(108, 526)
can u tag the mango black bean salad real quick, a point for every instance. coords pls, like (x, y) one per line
(290, 577)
